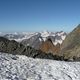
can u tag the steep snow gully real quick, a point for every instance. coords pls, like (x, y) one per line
(19, 67)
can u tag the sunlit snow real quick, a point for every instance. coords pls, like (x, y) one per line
(15, 67)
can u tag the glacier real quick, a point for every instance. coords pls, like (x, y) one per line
(20, 67)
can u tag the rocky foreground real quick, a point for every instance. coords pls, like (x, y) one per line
(19, 67)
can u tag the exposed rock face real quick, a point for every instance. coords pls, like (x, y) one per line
(49, 47)
(10, 46)
(3, 44)
(34, 41)
(71, 45)
(13, 47)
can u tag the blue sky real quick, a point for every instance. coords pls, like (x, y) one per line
(39, 15)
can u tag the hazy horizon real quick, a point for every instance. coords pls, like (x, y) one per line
(39, 15)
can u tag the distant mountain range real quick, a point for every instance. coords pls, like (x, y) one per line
(59, 45)
(37, 38)
(56, 37)
(40, 44)
(13, 47)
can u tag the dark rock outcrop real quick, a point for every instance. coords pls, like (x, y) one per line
(13, 47)
(10, 46)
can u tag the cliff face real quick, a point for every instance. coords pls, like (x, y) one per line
(49, 47)
(71, 45)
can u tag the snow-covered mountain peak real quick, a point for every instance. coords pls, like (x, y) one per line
(57, 37)
(45, 33)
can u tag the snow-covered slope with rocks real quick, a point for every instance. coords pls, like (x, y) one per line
(19, 67)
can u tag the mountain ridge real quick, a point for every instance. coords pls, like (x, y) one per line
(71, 45)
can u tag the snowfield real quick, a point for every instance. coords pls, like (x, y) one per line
(17, 67)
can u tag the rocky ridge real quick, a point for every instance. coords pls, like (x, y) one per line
(71, 45)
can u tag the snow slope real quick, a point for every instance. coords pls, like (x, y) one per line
(16, 67)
